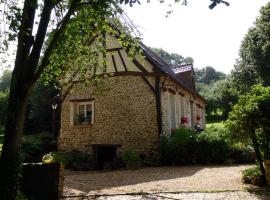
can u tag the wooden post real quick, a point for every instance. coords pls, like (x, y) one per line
(266, 164)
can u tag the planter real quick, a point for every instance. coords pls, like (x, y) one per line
(266, 164)
(42, 181)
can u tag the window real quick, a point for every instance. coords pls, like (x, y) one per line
(84, 113)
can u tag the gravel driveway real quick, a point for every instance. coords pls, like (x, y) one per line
(158, 183)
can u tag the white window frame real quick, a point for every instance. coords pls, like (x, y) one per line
(85, 110)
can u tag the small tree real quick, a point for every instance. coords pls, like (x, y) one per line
(249, 121)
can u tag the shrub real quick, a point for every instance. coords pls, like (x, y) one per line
(212, 146)
(241, 154)
(131, 159)
(253, 176)
(186, 147)
(54, 157)
(178, 148)
(74, 159)
(35, 146)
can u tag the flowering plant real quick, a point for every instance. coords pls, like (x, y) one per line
(184, 120)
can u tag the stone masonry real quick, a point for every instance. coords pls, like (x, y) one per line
(124, 115)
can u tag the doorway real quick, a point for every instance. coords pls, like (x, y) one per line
(105, 155)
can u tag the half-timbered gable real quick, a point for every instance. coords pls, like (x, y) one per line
(140, 99)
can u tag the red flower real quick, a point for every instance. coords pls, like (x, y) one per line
(184, 120)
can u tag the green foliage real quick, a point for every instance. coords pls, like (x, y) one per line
(253, 66)
(249, 121)
(131, 159)
(253, 176)
(21, 196)
(76, 160)
(217, 89)
(212, 146)
(5, 80)
(38, 114)
(34, 146)
(39, 111)
(76, 156)
(208, 75)
(186, 147)
(1, 142)
(4, 93)
(55, 157)
(182, 136)
(251, 113)
(172, 58)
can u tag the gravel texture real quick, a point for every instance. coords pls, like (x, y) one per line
(185, 182)
(239, 195)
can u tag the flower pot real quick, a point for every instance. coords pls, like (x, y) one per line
(43, 181)
(266, 164)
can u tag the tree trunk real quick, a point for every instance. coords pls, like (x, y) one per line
(10, 161)
(258, 153)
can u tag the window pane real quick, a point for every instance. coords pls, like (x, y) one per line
(89, 107)
(88, 112)
(81, 109)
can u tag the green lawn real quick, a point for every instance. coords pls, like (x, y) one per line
(215, 124)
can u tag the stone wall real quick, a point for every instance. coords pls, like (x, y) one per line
(124, 114)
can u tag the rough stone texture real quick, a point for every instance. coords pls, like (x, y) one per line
(124, 114)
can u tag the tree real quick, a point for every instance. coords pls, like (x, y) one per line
(5, 80)
(172, 58)
(216, 87)
(33, 57)
(249, 120)
(208, 74)
(253, 65)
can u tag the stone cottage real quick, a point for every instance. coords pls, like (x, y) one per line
(142, 98)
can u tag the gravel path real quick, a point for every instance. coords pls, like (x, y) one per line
(239, 195)
(186, 182)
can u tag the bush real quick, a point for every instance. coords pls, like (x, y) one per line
(35, 146)
(186, 147)
(74, 159)
(241, 154)
(54, 157)
(253, 176)
(212, 146)
(131, 159)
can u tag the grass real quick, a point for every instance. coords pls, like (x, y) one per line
(215, 124)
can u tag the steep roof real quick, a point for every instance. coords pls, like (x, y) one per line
(164, 68)
(182, 68)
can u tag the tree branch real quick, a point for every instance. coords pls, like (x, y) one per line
(52, 44)
(25, 35)
(40, 36)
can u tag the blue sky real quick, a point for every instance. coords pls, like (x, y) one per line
(210, 37)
